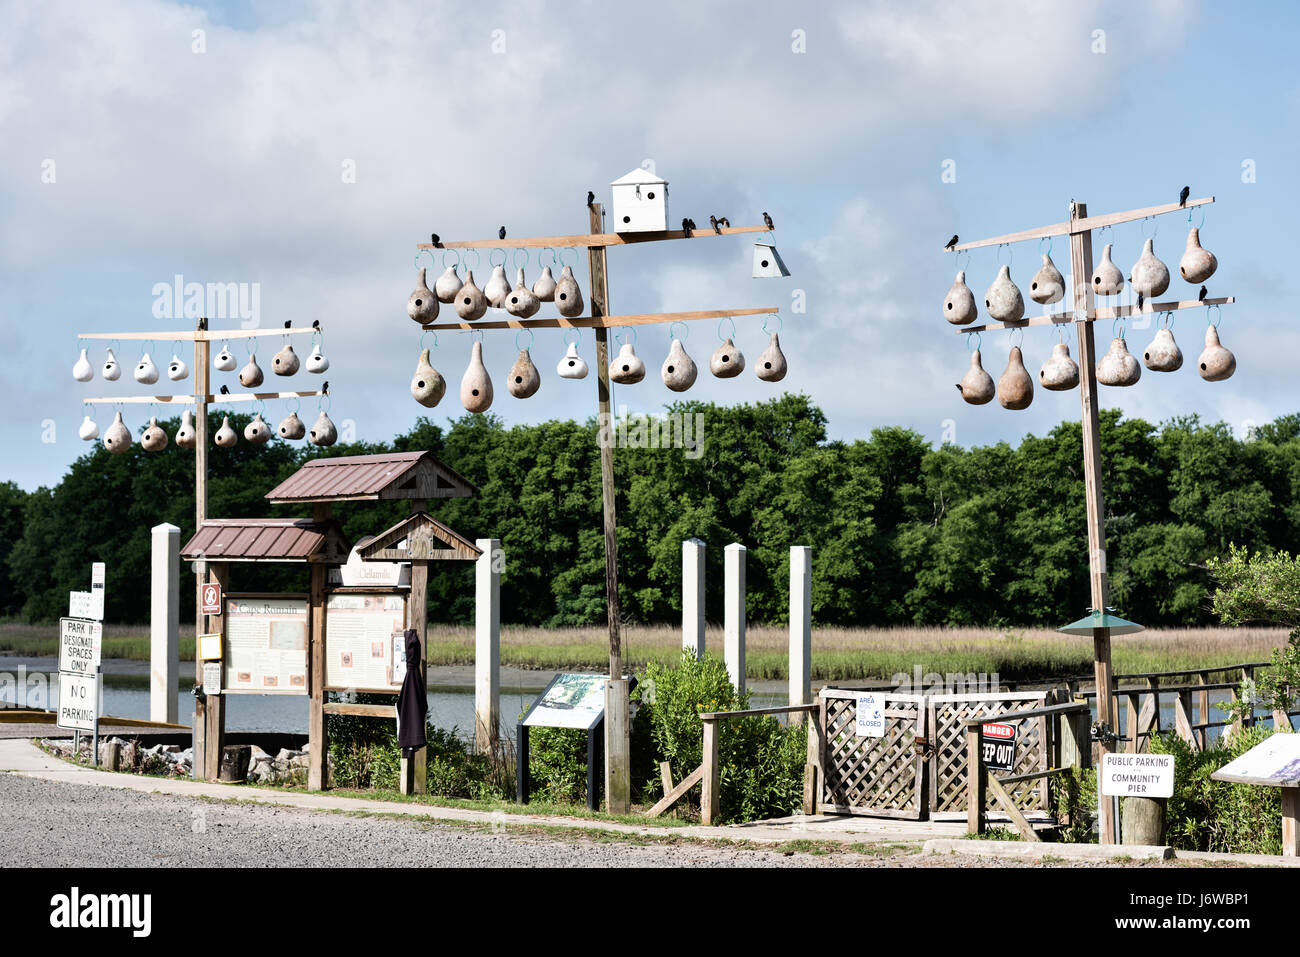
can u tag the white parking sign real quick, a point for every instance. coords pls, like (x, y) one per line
(78, 702)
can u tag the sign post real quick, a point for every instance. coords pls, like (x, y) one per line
(81, 640)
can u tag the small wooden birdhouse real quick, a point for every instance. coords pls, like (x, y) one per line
(640, 202)
(768, 263)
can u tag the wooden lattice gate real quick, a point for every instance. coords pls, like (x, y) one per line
(880, 777)
(948, 773)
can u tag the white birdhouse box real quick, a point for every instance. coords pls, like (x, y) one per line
(640, 203)
(767, 262)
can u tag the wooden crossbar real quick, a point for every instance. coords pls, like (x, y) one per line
(599, 322)
(197, 335)
(1101, 312)
(1083, 224)
(675, 795)
(209, 399)
(590, 240)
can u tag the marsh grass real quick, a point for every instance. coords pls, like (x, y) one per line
(839, 654)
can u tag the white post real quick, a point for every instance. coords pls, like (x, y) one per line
(800, 627)
(165, 623)
(733, 643)
(693, 596)
(487, 644)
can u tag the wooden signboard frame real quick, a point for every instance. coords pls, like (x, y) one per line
(380, 592)
(224, 631)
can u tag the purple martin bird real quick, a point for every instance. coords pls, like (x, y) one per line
(767, 221)
(1201, 297)
(1182, 197)
(591, 198)
(501, 233)
(952, 242)
(433, 239)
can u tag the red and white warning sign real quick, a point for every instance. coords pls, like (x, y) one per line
(210, 598)
(1000, 747)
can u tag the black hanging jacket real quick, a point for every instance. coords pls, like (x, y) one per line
(412, 701)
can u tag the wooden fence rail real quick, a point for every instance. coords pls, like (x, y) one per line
(709, 774)
(1073, 728)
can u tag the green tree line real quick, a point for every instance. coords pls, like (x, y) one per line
(902, 533)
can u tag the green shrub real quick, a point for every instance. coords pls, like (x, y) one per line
(1073, 798)
(762, 761)
(1209, 815)
(557, 764)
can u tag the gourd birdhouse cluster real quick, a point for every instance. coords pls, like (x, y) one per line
(1148, 278)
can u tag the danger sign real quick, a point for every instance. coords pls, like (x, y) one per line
(1000, 747)
(210, 599)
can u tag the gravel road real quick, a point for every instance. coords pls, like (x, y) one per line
(106, 827)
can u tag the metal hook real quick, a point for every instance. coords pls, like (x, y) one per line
(1213, 319)
(429, 332)
(686, 330)
(733, 328)
(293, 405)
(978, 340)
(478, 258)
(578, 340)
(422, 252)
(1201, 224)
(1012, 337)
(530, 339)
(454, 252)
(514, 260)
(569, 249)
(780, 323)
(493, 262)
(1049, 245)
(1118, 328)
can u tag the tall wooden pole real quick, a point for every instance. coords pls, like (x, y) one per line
(618, 778)
(1081, 267)
(201, 384)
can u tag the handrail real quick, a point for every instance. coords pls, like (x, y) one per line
(1076, 708)
(780, 709)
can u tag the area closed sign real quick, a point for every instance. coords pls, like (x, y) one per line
(871, 715)
(1137, 775)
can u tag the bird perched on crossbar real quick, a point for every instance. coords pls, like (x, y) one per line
(767, 221)
(501, 233)
(687, 226)
(951, 243)
(713, 221)
(434, 239)
(1201, 297)
(1182, 196)
(225, 390)
(591, 199)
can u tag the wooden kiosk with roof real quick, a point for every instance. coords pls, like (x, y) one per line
(318, 541)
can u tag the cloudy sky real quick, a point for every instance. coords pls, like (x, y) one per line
(306, 147)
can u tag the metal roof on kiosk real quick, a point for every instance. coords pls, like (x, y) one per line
(1099, 619)
(267, 540)
(390, 475)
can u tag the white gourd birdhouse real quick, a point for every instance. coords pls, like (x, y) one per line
(768, 263)
(640, 202)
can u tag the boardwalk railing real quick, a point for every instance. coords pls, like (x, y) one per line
(1188, 695)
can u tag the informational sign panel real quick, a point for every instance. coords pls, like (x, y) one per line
(361, 633)
(871, 714)
(210, 647)
(210, 598)
(212, 677)
(1000, 747)
(266, 644)
(78, 702)
(1275, 761)
(569, 701)
(80, 645)
(1137, 775)
(399, 657)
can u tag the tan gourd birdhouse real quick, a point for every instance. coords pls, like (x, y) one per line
(679, 370)
(250, 377)
(1003, 299)
(154, 438)
(524, 379)
(1118, 367)
(186, 436)
(1048, 285)
(1107, 280)
(627, 367)
(497, 288)
(544, 288)
(521, 302)
(427, 385)
(257, 431)
(727, 361)
(1216, 363)
(226, 437)
(471, 304)
(291, 427)
(1163, 355)
(976, 386)
(768, 263)
(959, 305)
(323, 432)
(285, 362)
(1016, 386)
(1149, 276)
(476, 385)
(1059, 373)
(640, 202)
(1198, 264)
(771, 366)
(568, 297)
(117, 437)
(422, 304)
